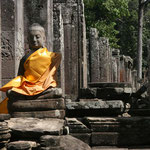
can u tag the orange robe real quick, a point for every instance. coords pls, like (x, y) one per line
(40, 74)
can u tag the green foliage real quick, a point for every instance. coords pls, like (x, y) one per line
(103, 15)
(118, 21)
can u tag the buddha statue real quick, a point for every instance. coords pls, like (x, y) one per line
(37, 70)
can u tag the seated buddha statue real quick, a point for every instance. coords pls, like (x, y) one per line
(37, 69)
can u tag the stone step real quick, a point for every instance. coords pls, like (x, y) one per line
(107, 84)
(118, 124)
(36, 105)
(117, 139)
(139, 112)
(119, 148)
(41, 114)
(94, 107)
(34, 128)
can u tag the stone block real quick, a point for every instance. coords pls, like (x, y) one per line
(94, 108)
(4, 136)
(34, 128)
(49, 141)
(76, 126)
(85, 137)
(37, 105)
(63, 143)
(114, 93)
(106, 93)
(50, 93)
(104, 138)
(118, 124)
(95, 104)
(107, 84)
(52, 148)
(4, 117)
(68, 142)
(19, 145)
(88, 93)
(41, 114)
(108, 148)
(139, 112)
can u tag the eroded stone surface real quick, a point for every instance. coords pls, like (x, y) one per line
(95, 104)
(65, 142)
(34, 127)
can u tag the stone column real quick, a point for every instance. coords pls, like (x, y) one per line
(19, 33)
(74, 45)
(58, 44)
(39, 11)
(148, 47)
(116, 64)
(82, 46)
(100, 57)
(12, 37)
(94, 56)
(0, 55)
(122, 69)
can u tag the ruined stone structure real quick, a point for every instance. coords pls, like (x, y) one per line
(93, 106)
(110, 65)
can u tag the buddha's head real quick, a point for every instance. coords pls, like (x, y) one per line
(36, 36)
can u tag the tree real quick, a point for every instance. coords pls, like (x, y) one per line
(142, 4)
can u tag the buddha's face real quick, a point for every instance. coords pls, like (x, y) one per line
(36, 39)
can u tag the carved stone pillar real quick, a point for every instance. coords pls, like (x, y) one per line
(58, 44)
(12, 37)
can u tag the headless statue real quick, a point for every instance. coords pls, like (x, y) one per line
(37, 69)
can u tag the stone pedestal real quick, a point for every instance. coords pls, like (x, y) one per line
(49, 104)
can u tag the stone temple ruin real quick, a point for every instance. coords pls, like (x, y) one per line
(98, 104)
